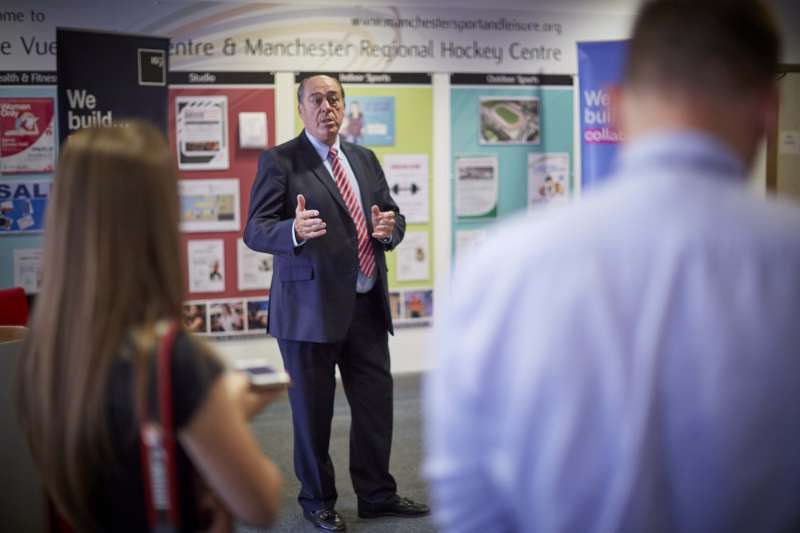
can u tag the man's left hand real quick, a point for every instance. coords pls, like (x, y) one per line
(382, 223)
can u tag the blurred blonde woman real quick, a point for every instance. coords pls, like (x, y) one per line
(112, 272)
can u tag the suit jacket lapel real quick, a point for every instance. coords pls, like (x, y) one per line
(319, 170)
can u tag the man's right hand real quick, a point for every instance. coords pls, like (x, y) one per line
(307, 224)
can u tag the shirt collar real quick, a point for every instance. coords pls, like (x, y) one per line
(322, 148)
(676, 147)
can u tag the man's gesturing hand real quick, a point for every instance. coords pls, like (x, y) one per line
(382, 223)
(307, 224)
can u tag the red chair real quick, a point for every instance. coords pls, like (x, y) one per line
(13, 307)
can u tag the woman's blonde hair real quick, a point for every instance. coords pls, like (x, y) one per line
(111, 263)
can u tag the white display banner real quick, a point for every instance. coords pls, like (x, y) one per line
(283, 37)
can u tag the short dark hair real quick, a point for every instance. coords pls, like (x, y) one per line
(301, 87)
(708, 46)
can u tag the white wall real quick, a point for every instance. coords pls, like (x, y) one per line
(409, 349)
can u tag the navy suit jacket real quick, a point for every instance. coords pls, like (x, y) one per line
(314, 285)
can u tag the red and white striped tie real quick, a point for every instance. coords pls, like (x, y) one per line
(366, 259)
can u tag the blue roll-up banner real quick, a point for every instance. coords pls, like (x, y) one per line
(600, 65)
(106, 78)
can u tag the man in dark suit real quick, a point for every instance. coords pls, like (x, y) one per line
(322, 207)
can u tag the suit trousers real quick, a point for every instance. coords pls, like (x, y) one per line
(363, 360)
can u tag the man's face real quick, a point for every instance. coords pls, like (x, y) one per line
(322, 108)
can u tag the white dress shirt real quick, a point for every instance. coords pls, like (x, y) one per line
(626, 363)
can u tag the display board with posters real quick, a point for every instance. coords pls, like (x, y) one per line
(28, 154)
(226, 317)
(512, 148)
(392, 115)
(219, 123)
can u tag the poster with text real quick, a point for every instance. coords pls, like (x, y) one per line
(209, 205)
(407, 176)
(254, 268)
(509, 121)
(600, 67)
(369, 120)
(789, 142)
(28, 269)
(22, 206)
(253, 130)
(201, 131)
(27, 136)
(476, 186)
(548, 179)
(106, 78)
(206, 265)
(413, 257)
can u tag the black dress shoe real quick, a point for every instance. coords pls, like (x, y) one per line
(326, 519)
(397, 506)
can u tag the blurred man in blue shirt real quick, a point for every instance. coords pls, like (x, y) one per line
(631, 363)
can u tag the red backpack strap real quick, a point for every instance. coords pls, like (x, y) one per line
(157, 443)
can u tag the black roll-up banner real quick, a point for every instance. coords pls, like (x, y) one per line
(107, 78)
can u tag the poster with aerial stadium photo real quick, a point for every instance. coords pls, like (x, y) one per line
(509, 120)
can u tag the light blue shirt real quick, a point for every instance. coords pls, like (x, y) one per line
(626, 363)
(363, 283)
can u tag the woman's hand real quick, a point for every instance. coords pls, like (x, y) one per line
(251, 401)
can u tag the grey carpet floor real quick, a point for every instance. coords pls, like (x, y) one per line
(273, 428)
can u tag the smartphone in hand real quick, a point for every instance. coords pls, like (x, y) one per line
(263, 376)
